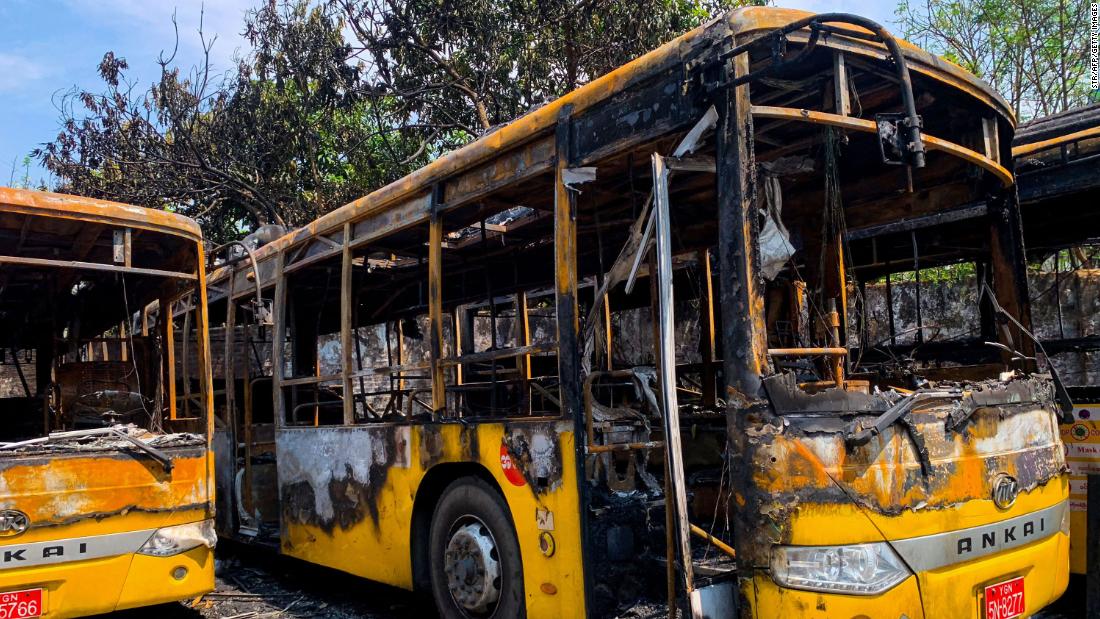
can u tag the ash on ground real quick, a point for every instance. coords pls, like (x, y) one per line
(254, 584)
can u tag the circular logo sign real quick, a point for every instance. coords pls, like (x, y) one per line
(1079, 432)
(1005, 490)
(13, 522)
(511, 471)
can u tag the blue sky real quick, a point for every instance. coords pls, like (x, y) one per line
(49, 46)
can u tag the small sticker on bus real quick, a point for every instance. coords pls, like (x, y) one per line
(511, 471)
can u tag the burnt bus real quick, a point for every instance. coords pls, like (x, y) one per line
(613, 355)
(106, 487)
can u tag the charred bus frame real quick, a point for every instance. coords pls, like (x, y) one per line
(546, 224)
(1057, 163)
(108, 486)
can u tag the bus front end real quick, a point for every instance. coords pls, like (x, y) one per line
(892, 421)
(89, 533)
(956, 509)
(106, 472)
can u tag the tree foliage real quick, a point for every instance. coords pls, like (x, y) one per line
(309, 120)
(1034, 52)
(283, 138)
(459, 67)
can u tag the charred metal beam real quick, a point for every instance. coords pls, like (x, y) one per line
(348, 337)
(820, 23)
(278, 341)
(1075, 176)
(707, 335)
(93, 266)
(435, 300)
(744, 344)
(568, 323)
(1008, 261)
(229, 362)
(965, 212)
(676, 501)
(1057, 126)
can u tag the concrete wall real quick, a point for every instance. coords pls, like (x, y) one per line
(10, 385)
(950, 311)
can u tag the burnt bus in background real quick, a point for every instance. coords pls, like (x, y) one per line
(1057, 162)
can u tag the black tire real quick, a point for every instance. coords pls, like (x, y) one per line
(470, 502)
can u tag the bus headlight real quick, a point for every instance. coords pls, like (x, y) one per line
(859, 569)
(173, 540)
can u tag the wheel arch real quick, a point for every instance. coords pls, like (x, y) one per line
(428, 493)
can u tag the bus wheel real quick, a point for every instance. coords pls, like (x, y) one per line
(475, 563)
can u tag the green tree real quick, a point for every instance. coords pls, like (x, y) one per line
(309, 120)
(285, 137)
(1034, 52)
(457, 68)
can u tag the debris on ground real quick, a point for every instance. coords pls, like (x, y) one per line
(255, 585)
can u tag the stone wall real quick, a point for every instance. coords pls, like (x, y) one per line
(949, 310)
(10, 385)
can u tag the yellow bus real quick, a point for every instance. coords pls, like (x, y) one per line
(106, 489)
(624, 351)
(1056, 159)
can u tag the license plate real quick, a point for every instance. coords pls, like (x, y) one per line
(1005, 600)
(20, 604)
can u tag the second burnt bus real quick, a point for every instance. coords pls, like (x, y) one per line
(1057, 163)
(106, 480)
(617, 353)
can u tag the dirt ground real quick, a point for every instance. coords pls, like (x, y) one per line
(252, 584)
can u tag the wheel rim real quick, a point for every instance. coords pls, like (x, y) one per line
(472, 566)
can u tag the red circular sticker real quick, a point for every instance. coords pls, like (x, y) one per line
(511, 471)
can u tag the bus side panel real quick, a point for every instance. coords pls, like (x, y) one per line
(1082, 441)
(347, 496)
(543, 498)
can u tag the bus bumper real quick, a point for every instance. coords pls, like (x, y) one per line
(954, 591)
(104, 585)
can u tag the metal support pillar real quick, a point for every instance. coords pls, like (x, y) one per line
(744, 335)
(666, 373)
(568, 322)
(1009, 264)
(435, 302)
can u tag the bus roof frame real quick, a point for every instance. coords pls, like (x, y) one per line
(524, 147)
(64, 206)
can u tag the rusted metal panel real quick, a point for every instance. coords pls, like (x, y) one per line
(527, 161)
(55, 205)
(435, 301)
